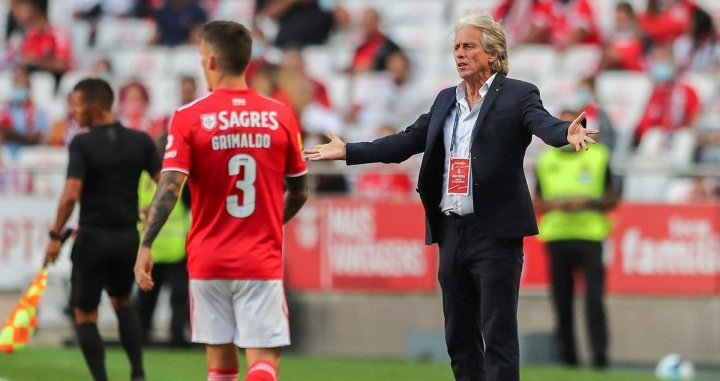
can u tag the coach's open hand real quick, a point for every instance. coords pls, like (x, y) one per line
(143, 269)
(335, 150)
(577, 135)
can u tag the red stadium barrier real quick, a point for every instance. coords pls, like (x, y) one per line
(345, 244)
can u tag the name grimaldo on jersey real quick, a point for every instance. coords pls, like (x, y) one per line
(225, 120)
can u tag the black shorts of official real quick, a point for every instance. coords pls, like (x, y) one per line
(102, 259)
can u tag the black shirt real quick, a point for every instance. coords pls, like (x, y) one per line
(301, 25)
(109, 160)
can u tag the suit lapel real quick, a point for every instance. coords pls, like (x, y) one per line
(437, 123)
(495, 90)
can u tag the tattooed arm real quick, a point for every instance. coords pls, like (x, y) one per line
(296, 193)
(163, 202)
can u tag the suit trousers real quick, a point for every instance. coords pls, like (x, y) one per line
(480, 279)
(565, 258)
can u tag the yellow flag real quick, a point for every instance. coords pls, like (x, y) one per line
(20, 325)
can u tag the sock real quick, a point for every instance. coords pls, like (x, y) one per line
(92, 349)
(261, 371)
(131, 338)
(222, 374)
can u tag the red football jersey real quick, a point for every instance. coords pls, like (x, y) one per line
(236, 147)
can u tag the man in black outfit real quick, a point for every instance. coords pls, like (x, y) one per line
(473, 188)
(103, 172)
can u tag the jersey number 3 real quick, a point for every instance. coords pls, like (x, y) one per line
(246, 185)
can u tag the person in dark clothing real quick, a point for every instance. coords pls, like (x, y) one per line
(178, 21)
(301, 22)
(103, 173)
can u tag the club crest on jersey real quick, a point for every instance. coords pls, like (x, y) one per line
(209, 121)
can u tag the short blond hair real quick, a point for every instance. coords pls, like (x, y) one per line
(493, 39)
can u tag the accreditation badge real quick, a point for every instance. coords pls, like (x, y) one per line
(459, 177)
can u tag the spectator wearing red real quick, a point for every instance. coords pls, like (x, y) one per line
(43, 47)
(514, 16)
(673, 105)
(563, 23)
(624, 47)
(372, 53)
(698, 49)
(134, 110)
(665, 20)
(294, 63)
(21, 122)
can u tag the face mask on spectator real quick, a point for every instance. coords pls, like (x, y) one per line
(583, 97)
(662, 71)
(256, 51)
(19, 94)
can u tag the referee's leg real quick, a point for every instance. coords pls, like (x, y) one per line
(119, 282)
(87, 278)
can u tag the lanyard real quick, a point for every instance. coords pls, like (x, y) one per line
(455, 125)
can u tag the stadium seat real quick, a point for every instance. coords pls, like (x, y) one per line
(140, 63)
(319, 62)
(3, 20)
(580, 60)
(5, 85)
(80, 33)
(60, 13)
(241, 11)
(184, 60)
(42, 89)
(69, 80)
(712, 7)
(164, 95)
(624, 96)
(558, 92)
(461, 7)
(42, 157)
(703, 83)
(113, 34)
(420, 13)
(605, 12)
(338, 87)
(533, 62)
(679, 190)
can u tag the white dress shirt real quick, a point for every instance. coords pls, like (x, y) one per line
(454, 203)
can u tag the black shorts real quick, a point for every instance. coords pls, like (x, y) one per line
(102, 258)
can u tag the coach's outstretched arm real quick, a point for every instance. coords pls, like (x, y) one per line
(394, 148)
(163, 202)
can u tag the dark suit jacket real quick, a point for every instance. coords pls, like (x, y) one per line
(510, 113)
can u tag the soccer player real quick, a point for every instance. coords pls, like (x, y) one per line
(103, 173)
(241, 154)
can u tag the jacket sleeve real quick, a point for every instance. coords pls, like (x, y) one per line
(393, 148)
(538, 121)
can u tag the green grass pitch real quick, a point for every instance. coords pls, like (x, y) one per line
(58, 364)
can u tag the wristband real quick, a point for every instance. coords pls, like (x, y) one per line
(55, 236)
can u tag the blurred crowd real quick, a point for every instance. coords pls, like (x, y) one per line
(364, 69)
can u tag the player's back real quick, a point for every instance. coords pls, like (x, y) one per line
(109, 159)
(236, 147)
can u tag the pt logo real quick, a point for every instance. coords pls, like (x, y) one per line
(209, 121)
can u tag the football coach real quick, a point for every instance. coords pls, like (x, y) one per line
(476, 199)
